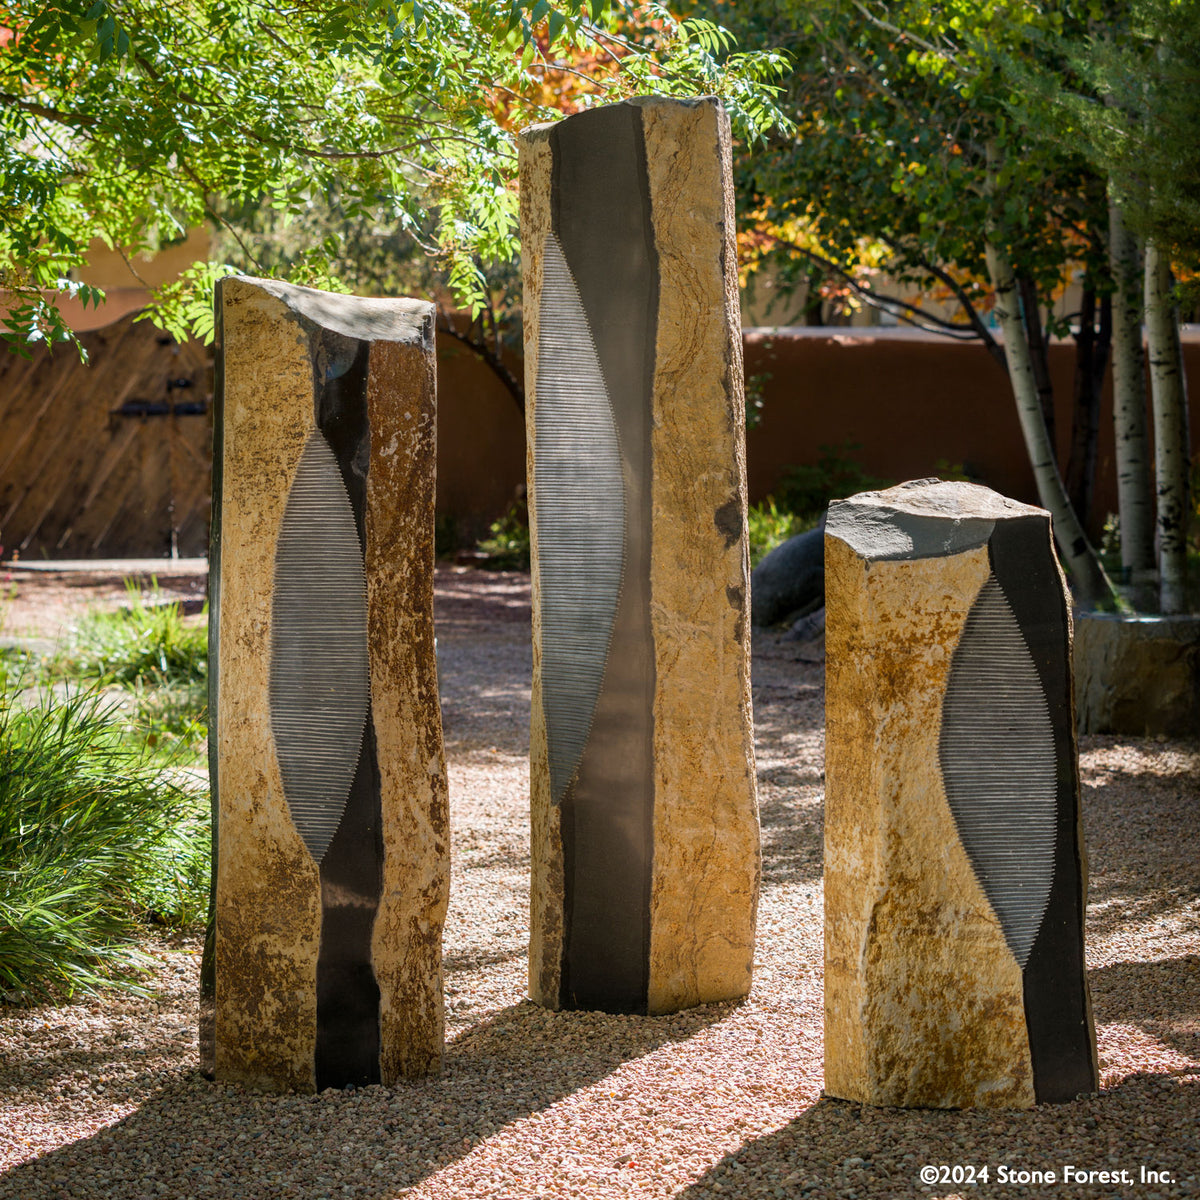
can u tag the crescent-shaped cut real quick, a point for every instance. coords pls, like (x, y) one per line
(580, 500)
(998, 767)
(319, 678)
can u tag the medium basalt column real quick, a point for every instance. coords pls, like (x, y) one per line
(955, 873)
(645, 823)
(328, 774)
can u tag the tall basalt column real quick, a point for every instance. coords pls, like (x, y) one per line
(645, 822)
(328, 772)
(955, 873)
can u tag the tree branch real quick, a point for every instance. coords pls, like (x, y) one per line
(492, 358)
(981, 330)
(911, 314)
(71, 120)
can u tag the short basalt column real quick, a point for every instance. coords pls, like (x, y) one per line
(326, 743)
(955, 873)
(645, 824)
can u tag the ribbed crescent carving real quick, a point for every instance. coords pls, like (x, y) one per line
(998, 767)
(319, 682)
(580, 517)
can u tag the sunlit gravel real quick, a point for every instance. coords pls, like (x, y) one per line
(103, 1098)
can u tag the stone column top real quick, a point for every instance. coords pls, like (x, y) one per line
(924, 518)
(540, 131)
(365, 318)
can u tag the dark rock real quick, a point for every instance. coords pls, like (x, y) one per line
(790, 578)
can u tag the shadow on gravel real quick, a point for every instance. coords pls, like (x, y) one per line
(117, 1064)
(792, 831)
(474, 960)
(839, 1149)
(203, 1141)
(1161, 998)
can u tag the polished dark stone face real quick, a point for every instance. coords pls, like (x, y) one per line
(319, 685)
(347, 1050)
(996, 750)
(1057, 1009)
(1007, 755)
(600, 738)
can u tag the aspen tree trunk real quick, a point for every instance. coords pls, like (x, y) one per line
(1092, 347)
(1091, 584)
(1171, 451)
(1129, 411)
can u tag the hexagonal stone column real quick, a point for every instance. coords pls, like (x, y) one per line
(645, 825)
(954, 860)
(325, 741)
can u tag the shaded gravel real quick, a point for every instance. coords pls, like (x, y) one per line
(102, 1099)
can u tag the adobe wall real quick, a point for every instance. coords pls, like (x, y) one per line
(908, 400)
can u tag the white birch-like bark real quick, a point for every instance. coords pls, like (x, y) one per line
(1172, 464)
(1092, 586)
(1130, 434)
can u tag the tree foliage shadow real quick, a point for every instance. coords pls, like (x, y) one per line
(838, 1149)
(1162, 998)
(815, 1154)
(789, 702)
(792, 838)
(507, 1067)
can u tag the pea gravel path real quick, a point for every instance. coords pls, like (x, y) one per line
(103, 1099)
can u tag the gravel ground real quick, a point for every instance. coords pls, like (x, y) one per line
(103, 1099)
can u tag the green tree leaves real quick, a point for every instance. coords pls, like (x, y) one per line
(131, 121)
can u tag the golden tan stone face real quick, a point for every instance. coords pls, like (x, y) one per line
(923, 999)
(706, 847)
(546, 890)
(681, 627)
(414, 803)
(328, 956)
(268, 888)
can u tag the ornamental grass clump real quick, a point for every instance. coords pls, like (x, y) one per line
(147, 643)
(95, 839)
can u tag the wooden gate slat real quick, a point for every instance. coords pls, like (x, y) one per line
(77, 479)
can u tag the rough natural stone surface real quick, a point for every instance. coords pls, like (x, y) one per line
(1138, 675)
(790, 578)
(268, 888)
(706, 847)
(369, 916)
(923, 1000)
(407, 936)
(705, 862)
(954, 867)
(546, 892)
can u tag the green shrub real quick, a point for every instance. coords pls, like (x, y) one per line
(94, 837)
(807, 490)
(140, 643)
(507, 543)
(770, 527)
(159, 660)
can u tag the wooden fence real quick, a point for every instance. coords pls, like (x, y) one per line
(108, 460)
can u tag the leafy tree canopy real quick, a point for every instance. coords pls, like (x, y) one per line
(908, 154)
(132, 121)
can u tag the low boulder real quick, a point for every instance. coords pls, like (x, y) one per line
(1137, 674)
(790, 580)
